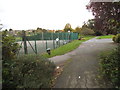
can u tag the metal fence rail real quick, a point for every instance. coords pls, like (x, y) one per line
(53, 36)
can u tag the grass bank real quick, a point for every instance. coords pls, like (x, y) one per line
(105, 37)
(67, 48)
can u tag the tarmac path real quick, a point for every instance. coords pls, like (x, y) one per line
(82, 71)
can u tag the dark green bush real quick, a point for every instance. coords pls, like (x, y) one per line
(116, 38)
(32, 71)
(9, 50)
(110, 65)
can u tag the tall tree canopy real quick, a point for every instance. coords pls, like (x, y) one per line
(107, 16)
(68, 27)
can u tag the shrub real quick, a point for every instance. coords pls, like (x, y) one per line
(32, 71)
(116, 38)
(97, 33)
(9, 47)
(109, 66)
(87, 31)
(9, 50)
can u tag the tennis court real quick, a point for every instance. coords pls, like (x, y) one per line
(39, 43)
(42, 45)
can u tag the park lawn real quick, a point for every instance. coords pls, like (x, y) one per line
(105, 37)
(67, 48)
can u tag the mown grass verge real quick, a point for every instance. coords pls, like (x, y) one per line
(67, 48)
(105, 37)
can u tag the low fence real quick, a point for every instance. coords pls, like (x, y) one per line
(40, 42)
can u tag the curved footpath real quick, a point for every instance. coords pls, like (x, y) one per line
(82, 71)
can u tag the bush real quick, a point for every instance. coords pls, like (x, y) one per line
(97, 33)
(116, 38)
(9, 50)
(9, 47)
(109, 66)
(32, 71)
(87, 31)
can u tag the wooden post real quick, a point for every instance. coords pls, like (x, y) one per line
(25, 43)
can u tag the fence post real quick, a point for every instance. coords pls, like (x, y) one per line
(59, 38)
(53, 40)
(25, 43)
(66, 37)
(46, 44)
(35, 44)
(63, 38)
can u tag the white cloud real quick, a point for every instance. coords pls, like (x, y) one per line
(49, 14)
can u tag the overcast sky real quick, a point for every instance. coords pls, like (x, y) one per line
(48, 14)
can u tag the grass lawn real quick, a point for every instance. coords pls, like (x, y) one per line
(67, 48)
(105, 37)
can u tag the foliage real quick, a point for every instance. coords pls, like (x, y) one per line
(68, 28)
(106, 16)
(1, 26)
(91, 24)
(116, 38)
(87, 31)
(110, 64)
(40, 30)
(9, 50)
(105, 37)
(9, 47)
(78, 29)
(32, 71)
(67, 48)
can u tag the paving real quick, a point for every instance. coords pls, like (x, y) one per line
(82, 70)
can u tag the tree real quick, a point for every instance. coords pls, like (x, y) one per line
(10, 30)
(1, 26)
(87, 31)
(68, 27)
(39, 30)
(106, 16)
(91, 24)
(78, 29)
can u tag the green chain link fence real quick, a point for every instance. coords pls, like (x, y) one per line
(40, 42)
